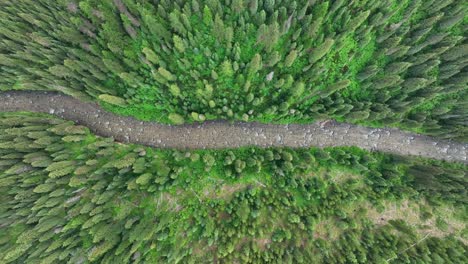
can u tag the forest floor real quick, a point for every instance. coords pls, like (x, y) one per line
(223, 134)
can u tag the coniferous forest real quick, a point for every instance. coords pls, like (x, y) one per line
(71, 197)
(393, 63)
(68, 195)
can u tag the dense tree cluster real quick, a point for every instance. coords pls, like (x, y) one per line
(397, 63)
(68, 196)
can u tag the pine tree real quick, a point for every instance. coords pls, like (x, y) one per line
(218, 28)
(114, 100)
(237, 6)
(166, 74)
(255, 64)
(228, 37)
(179, 44)
(175, 90)
(253, 6)
(289, 60)
(357, 21)
(274, 58)
(334, 87)
(226, 69)
(321, 50)
(297, 90)
(207, 16)
(176, 24)
(269, 5)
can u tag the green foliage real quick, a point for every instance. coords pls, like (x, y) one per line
(179, 44)
(321, 50)
(176, 118)
(402, 63)
(114, 100)
(123, 203)
(290, 58)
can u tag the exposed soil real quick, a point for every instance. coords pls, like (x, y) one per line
(222, 134)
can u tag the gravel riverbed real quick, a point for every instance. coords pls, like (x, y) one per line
(222, 134)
